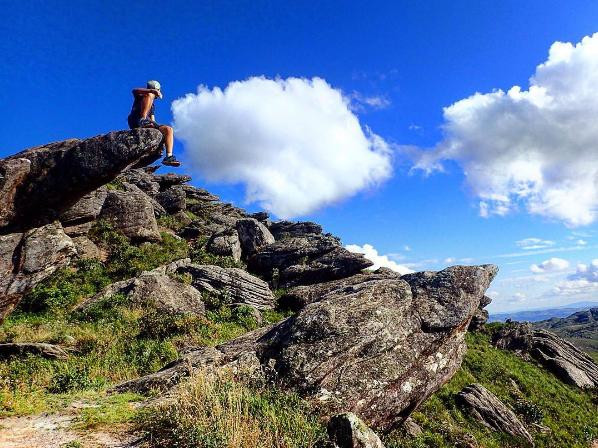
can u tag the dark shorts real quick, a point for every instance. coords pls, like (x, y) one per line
(136, 122)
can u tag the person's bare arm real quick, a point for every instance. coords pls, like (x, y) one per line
(141, 91)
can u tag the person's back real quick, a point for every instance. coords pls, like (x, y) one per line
(142, 115)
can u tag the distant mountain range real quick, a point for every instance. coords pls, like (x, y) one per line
(542, 313)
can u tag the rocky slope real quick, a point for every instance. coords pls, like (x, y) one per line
(579, 328)
(38, 184)
(359, 344)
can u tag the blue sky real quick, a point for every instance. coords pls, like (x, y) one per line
(68, 67)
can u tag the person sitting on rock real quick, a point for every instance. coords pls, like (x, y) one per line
(142, 116)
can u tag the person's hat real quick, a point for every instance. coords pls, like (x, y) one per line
(153, 85)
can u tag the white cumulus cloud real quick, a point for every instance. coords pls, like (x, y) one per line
(534, 148)
(588, 272)
(379, 260)
(551, 265)
(294, 143)
(582, 283)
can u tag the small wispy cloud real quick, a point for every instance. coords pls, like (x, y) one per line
(361, 102)
(534, 243)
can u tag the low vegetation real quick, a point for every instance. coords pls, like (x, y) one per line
(557, 415)
(115, 341)
(111, 341)
(223, 412)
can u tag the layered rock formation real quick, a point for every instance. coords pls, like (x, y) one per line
(372, 343)
(153, 289)
(29, 257)
(377, 348)
(306, 259)
(233, 285)
(557, 355)
(492, 413)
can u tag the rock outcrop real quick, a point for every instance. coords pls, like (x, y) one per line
(348, 431)
(152, 289)
(132, 214)
(491, 412)
(286, 229)
(79, 218)
(377, 348)
(62, 181)
(38, 184)
(225, 244)
(481, 316)
(300, 296)
(234, 285)
(306, 260)
(253, 235)
(28, 258)
(173, 199)
(559, 356)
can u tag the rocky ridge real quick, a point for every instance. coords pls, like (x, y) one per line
(557, 355)
(374, 344)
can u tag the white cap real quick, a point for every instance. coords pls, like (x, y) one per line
(153, 85)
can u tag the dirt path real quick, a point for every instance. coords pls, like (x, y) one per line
(55, 431)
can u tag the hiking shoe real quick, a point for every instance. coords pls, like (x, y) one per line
(171, 161)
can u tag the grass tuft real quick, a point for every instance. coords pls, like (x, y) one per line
(221, 412)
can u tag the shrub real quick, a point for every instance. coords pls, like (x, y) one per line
(127, 260)
(530, 412)
(73, 378)
(66, 287)
(199, 255)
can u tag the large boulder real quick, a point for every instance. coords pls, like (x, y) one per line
(286, 229)
(299, 296)
(378, 348)
(39, 184)
(486, 408)
(28, 258)
(132, 213)
(172, 199)
(348, 431)
(142, 179)
(152, 289)
(233, 284)
(253, 235)
(225, 244)
(556, 354)
(86, 209)
(306, 260)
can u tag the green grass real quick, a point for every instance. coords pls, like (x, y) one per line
(108, 410)
(115, 341)
(126, 260)
(110, 342)
(533, 392)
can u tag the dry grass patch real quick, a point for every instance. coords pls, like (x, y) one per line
(222, 412)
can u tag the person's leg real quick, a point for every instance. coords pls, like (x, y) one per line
(168, 134)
